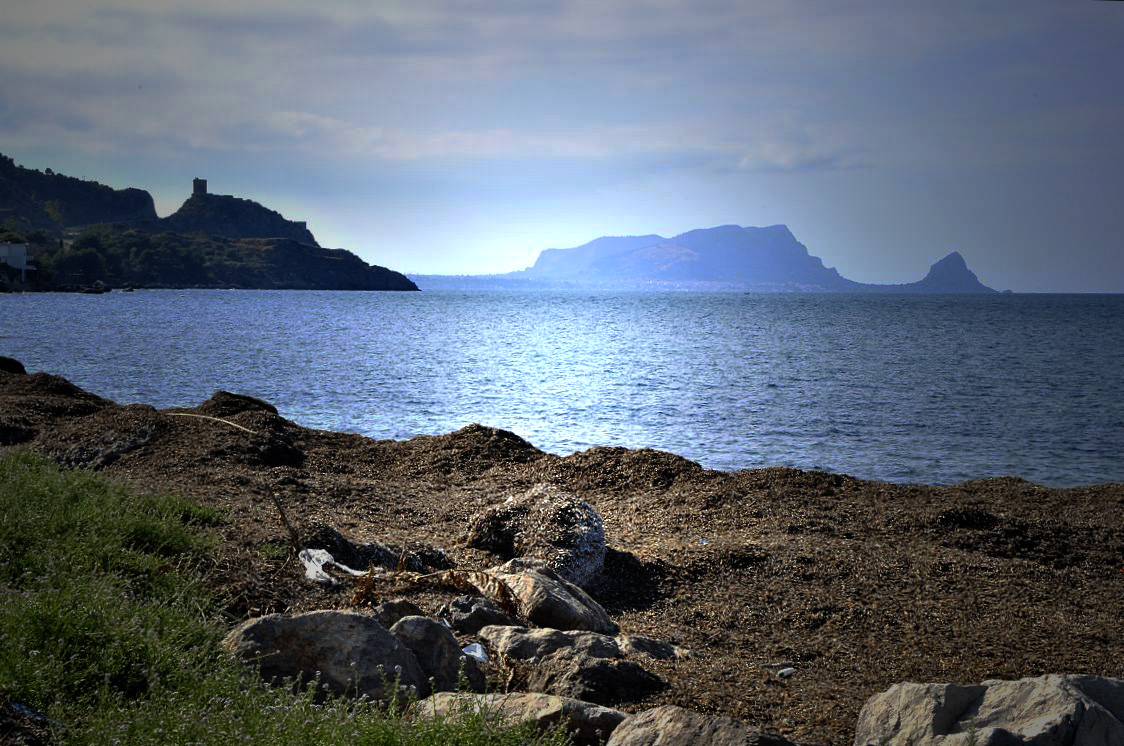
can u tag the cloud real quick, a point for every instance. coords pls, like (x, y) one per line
(717, 83)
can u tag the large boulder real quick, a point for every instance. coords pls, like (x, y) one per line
(527, 644)
(588, 724)
(582, 665)
(440, 657)
(674, 726)
(548, 524)
(350, 652)
(603, 681)
(1051, 710)
(548, 600)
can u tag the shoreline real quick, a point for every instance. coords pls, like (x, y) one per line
(859, 584)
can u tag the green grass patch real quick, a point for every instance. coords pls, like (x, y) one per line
(108, 628)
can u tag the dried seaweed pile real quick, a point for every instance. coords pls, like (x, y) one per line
(856, 585)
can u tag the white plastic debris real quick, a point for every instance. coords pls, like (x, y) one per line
(703, 542)
(784, 673)
(476, 650)
(315, 560)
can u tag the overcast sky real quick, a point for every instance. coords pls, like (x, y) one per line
(465, 136)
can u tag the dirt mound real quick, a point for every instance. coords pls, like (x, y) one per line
(226, 404)
(11, 365)
(45, 396)
(613, 469)
(467, 453)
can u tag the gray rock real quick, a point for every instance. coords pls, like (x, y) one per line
(351, 652)
(603, 681)
(470, 614)
(389, 612)
(674, 726)
(548, 524)
(550, 601)
(438, 654)
(1051, 710)
(588, 723)
(525, 644)
(637, 645)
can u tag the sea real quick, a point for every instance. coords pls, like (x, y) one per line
(925, 389)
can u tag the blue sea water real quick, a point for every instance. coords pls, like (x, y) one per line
(914, 389)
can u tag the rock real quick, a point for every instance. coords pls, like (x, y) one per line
(578, 664)
(1051, 710)
(604, 681)
(525, 644)
(351, 652)
(470, 614)
(438, 654)
(588, 723)
(544, 523)
(674, 726)
(11, 365)
(22, 725)
(661, 651)
(550, 601)
(389, 612)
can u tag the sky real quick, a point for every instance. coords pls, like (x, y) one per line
(465, 136)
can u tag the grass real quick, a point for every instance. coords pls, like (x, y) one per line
(108, 628)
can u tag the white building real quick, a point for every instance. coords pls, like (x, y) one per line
(15, 255)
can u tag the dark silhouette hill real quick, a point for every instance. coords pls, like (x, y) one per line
(232, 217)
(725, 257)
(85, 235)
(51, 202)
(139, 258)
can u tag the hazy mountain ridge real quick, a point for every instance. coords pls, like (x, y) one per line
(766, 258)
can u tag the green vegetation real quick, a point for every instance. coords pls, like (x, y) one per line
(137, 257)
(108, 628)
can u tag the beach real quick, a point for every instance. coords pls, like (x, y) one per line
(855, 584)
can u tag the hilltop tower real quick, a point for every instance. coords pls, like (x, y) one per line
(198, 187)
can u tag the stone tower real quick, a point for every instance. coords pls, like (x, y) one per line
(198, 187)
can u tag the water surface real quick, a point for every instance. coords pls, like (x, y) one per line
(932, 389)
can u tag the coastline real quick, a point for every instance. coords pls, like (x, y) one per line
(860, 584)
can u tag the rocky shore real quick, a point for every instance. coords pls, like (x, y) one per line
(784, 600)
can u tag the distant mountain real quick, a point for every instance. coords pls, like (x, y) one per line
(951, 275)
(725, 257)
